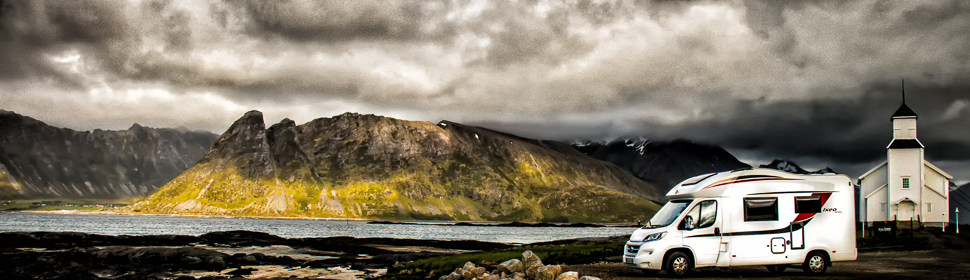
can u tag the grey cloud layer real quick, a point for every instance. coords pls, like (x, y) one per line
(809, 79)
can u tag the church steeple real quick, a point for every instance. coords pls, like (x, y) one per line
(904, 111)
(904, 127)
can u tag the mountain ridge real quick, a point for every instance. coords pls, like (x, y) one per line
(40, 161)
(367, 166)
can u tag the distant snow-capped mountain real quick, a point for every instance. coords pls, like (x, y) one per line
(791, 167)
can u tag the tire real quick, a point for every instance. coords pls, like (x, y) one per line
(815, 263)
(678, 264)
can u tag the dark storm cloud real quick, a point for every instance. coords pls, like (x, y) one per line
(342, 20)
(808, 80)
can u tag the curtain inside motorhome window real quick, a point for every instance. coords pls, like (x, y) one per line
(808, 204)
(760, 209)
(704, 213)
(708, 213)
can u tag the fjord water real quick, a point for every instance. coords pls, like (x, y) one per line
(154, 225)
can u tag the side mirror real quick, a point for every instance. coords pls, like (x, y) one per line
(688, 223)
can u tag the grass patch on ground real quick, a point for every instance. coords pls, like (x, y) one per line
(579, 253)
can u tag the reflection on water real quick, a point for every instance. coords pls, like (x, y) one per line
(151, 225)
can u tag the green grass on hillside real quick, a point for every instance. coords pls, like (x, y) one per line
(415, 193)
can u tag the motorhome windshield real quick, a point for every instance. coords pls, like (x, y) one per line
(667, 214)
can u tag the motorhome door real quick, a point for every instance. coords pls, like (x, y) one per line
(703, 235)
(806, 207)
(797, 235)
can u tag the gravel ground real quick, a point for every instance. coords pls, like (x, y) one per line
(948, 258)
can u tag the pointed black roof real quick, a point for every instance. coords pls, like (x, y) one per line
(904, 111)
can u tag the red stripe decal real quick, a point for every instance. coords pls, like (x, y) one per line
(732, 181)
(805, 216)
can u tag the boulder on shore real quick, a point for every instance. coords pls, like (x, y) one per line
(549, 272)
(568, 275)
(511, 266)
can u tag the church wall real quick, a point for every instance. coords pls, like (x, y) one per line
(933, 198)
(905, 163)
(867, 185)
(877, 209)
(875, 180)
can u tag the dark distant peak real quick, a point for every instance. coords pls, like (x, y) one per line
(10, 117)
(791, 167)
(136, 127)
(825, 171)
(638, 145)
(785, 165)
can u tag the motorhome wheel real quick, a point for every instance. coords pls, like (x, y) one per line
(816, 263)
(678, 264)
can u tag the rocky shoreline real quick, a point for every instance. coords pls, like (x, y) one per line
(216, 255)
(221, 255)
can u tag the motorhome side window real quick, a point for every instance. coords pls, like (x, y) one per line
(704, 213)
(808, 204)
(760, 209)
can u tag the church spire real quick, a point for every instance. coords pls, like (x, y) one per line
(903, 81)
(904, 111)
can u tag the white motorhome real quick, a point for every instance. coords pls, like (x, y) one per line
(749, 217)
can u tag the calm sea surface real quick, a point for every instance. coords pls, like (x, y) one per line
(150, 225)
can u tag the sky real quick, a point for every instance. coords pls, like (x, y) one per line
(814, 82)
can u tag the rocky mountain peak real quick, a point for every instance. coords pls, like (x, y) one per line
(285, 151)
(245, 145)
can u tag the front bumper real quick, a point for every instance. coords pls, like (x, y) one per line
(634, 255)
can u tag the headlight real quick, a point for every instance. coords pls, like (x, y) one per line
(655, 236)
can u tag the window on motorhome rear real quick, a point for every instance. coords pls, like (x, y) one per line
(808, 204)
(760, 209)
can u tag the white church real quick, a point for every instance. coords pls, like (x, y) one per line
(905, 186)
